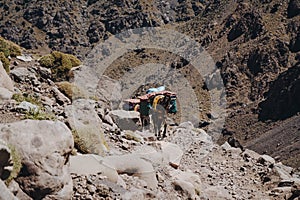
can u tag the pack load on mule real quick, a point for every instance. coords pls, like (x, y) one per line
(131, 104)
(157, 103)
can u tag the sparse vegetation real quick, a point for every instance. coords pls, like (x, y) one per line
(39, 115)
(130, 136)
(60, 64)
(70, 90)
(8, 48)
(17, 164)
(85, 140)
(4, 61)
(24, 97)
(79, 143)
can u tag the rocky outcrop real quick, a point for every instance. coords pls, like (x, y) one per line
(44, 148)
(295, 43)
(250, 25)
(293, 8)
(283, 97)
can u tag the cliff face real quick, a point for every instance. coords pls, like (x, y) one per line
(254, 43)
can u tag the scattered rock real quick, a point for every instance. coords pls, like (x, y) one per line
(235, 143)
(216, 192)
(266, 160)
(250, 25)
(285, 183)
(295, 190)
(25, 58)
(22, 74)
(282, 96)
(295, 43)
(60, 97)
(26, 107)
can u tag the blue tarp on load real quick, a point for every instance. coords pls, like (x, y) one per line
(159, 89)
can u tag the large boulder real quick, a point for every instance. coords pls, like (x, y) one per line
(44, 148)
(165, 153)
(5, 94)
(126, 120)
(6, 84)
(112, 166)
(5, 193)
(5, 80)
(108, 92)
(188, 182)
(86, 126)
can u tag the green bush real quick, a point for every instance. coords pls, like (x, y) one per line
(9, 48)
(39, 115)
(60, 64)
(70, 90)
(89, 140)
(29, 98)
(79, 143)
(4, 61)
(17, 164)
(47, 61)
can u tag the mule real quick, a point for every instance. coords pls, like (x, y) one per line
(159, 116)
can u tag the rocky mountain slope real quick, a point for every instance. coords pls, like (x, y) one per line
(254, 44)
(40, 126)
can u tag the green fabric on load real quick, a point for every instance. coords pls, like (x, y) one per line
(144, 108)
(173, 106)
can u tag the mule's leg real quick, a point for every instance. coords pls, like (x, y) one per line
(142, 122)
(155, 124)
(165, 130)
(159, 124)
